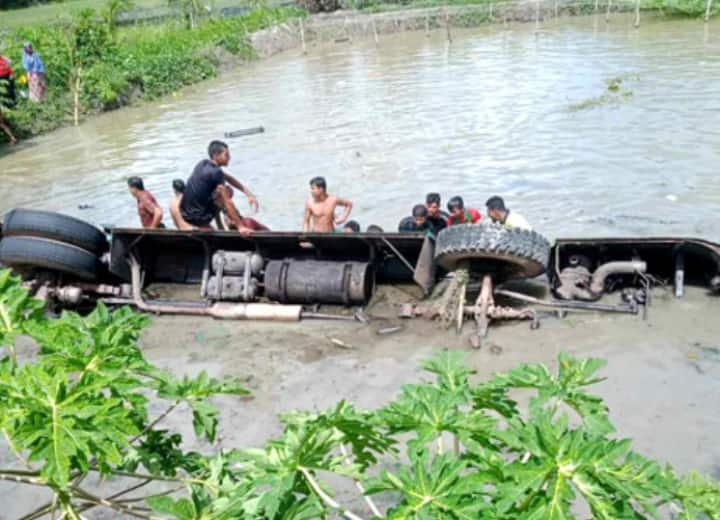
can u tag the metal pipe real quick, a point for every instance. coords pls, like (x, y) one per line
(570, 305)
(601, 273)
(241, 311)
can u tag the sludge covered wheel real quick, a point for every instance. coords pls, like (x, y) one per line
(489, 248)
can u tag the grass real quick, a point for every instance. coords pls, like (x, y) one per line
(48, 13)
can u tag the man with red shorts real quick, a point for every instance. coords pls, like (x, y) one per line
(207, 194)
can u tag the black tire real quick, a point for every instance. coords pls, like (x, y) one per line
(28, 254)
(493, 249)
(55, 226)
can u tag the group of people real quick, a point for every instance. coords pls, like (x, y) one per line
(35, 75)
(429, 218)
(206, 197)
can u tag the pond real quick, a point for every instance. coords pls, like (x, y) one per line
(513, 111)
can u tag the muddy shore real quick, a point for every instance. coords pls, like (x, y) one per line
(662, 387)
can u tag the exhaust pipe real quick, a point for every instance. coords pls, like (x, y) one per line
(227, 311)
(597, 285)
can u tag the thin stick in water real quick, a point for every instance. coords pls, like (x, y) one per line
(708, 9)
(607, 12)
(302, 36)
(637, 14)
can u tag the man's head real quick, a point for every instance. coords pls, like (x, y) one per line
(351, 226)
(219, 153)
(135, 186)
(318, 187)
(419, 214)
(496, 209)
(178, 186)
(372, 228)
(433, 201)
(28, 47)
(456, 206)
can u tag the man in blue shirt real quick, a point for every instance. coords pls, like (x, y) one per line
(35, 69)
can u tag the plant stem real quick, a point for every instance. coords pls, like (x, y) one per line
(155, 422)
(16, 452)
(440, 447)
(329, 501)
(359, 485)
(128, 510)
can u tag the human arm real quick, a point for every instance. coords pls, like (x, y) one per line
(157, 217)
(347, 204)
(252, 200)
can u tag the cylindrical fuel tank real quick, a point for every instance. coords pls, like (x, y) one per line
(233, 262)
(316, 281)
(232, 289)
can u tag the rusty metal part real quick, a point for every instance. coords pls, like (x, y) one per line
(574, 283)
(310, 281)
(601, 273)
(570, 305)
(312, 315)
(237, 311)
(236, 262)
(232, 288)
(425, 268)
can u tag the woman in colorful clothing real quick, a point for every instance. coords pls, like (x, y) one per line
(35, 72)
(7, 94)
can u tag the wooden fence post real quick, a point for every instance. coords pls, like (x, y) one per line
(637, 14)
(302, 36)
(375, 33)
(707, 10)
(607, 13)
(447, 26)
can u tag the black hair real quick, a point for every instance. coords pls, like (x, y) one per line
(179, 185)
(216, 147)
(419, 210)
(136, 182)
(433, 198)
(319, 182)
(496, 203)
(455, 203)
(352, 224)
(372, 228)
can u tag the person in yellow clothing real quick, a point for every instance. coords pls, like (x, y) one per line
(497, 212)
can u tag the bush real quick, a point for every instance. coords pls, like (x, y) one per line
(118, 66)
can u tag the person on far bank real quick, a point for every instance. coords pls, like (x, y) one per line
(320, 208)
(207, 195)
(499, 213)
(7, 94)
(149, 210)
(178, 186)
(35, 69)
(459, 214)
(436, 216)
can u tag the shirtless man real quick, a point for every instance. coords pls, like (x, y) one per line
(180, 223)
(320, 208)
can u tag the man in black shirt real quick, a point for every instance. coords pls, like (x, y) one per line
(418, 221)
(206, 194)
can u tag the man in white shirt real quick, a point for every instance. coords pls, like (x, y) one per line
(497, 211)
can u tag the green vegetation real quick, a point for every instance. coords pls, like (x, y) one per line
(93, 66)
(448, 448)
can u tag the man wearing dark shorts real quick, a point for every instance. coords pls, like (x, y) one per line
(206, 194)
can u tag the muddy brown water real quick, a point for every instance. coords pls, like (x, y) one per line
(491, 114)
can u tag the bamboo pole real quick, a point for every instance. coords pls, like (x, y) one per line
(537, 14)
(375, 33)
(427, 25)
(607, 12)
(447, 27)
(556, 8)
(708, 9)
(637, 14)
(597, 5)
(302, 36)
(490, 12)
